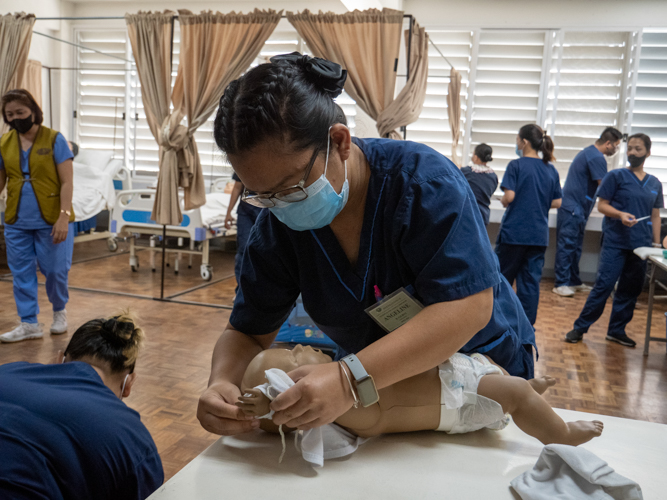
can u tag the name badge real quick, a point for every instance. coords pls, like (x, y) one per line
(394, 310)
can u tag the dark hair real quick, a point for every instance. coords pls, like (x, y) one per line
(539, 141)
(484, 152)
(610, 134)
(115, 340)
(281, 99)
(75, 148)
(643, 137)
(24, 97)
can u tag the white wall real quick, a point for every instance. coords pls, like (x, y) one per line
(607, 14)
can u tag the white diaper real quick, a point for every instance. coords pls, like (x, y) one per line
(462, 409)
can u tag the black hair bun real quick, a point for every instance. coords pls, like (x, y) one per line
(327, 75)
(116, 332)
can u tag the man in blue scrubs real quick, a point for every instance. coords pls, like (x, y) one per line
(583, 178)
(631, 200)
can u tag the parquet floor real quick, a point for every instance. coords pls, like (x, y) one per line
(594, 376)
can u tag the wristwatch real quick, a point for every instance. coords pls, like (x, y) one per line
(363, 382)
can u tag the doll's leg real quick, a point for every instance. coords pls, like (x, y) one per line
(539, 384)
(532, 413)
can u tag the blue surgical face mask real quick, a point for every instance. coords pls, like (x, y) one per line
(319, 209)
(518, 152)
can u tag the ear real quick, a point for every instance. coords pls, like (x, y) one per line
(131, 378)
(58, 358)
(342, 138)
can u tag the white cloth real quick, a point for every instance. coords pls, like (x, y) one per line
(215, 209)
(645, 252)
(568, 472)
(316, 445)
(462, 409)
(93, 189)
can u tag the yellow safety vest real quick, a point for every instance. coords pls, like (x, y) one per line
(43, 174)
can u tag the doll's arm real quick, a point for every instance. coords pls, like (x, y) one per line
(254, 402)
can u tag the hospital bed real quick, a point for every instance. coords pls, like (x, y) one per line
(131, 217)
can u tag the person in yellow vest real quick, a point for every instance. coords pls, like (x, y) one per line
(36, 166)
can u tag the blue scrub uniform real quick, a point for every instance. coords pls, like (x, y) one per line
(524, 231)
(29, 242)
(483, 185)
(421, 230)
(246, 215)
(64, 434)
(587, 168)
(618, 262)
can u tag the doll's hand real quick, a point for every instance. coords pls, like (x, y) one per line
(320, 395)
(255, 403)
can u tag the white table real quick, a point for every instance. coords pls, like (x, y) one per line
(657, 261)
(425, 465)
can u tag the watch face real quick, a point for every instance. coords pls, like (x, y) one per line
(367, 392)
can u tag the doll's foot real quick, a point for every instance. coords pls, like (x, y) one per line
(541, 384)
(583, 431)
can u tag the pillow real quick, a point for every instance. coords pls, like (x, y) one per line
(114, 166)
(94, 158)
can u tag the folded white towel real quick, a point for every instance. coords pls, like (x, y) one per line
(568, 472)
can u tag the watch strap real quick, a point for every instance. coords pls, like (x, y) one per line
(356, 368)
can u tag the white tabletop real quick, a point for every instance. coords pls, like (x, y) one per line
(420, 465)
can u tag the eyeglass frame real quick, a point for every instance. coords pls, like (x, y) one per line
(255, 199)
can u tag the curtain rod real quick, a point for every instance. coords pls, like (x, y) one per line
(80, 46)
(107, 18)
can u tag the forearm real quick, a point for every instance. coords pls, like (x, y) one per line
(508, 197)
(234, 197)
(656, 223)
(66, 190)
(606, 209)
(556, 203)
(3, 179)
(233, 353)
(427, 340)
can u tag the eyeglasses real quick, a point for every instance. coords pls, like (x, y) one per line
(291, 194)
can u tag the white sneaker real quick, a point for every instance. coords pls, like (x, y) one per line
(59, 325)
(25, 331)
(563, 291)
(582, 288)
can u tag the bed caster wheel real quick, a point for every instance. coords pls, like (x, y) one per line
(189, 267)
(134, 268)
(206, 273)
(153, 270)
(134, 264)
(112, 244)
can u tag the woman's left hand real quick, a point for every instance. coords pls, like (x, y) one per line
(60, 228)
(320, 395)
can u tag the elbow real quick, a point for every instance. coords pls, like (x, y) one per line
(484, 307)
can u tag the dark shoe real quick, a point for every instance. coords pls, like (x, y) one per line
(574, 336)
(622, 339)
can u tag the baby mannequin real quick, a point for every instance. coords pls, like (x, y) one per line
(416, 404)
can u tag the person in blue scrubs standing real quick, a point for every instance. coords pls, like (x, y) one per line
(246, 215)
(65, 431)
(36, 164)
(531, 187)
(350, 221)
(583, 178)
(482, 179)
(630, 200)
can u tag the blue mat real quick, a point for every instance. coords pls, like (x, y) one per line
(300, 329)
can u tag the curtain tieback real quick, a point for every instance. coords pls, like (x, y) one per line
(173, 136)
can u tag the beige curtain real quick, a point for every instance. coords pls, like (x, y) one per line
(408, 104)
(15, 38)
(215, 49)
(454, 111)
(205, 71)
(365, 43)
(32, 80)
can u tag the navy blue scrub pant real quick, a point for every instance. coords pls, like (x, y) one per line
(244, 223)
(524, 264)
(569, 242)
(616, 264)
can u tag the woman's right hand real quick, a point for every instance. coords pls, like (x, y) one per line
(628, 219)
(229, 221)
(218, 414)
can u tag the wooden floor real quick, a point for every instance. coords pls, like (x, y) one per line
(593, 376)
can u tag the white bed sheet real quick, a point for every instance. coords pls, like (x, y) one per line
(93, 189)
(215, 210)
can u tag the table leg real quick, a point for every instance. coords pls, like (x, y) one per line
(649, 314)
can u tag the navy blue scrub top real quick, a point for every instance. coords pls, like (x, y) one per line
(483, 185)
(64, 434)
(581, 183)
(249, 209)
(422, 229)
(526, 219)
(625, 192)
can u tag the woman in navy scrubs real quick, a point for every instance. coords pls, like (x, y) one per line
(349, 220)
(482, 179)
(630, 200)
(532, 186)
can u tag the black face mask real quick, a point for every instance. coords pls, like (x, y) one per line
(636, 161)
(22, 125)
